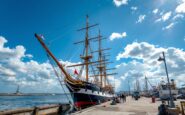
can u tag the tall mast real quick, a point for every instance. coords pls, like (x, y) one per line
(86, 47)
(87, 57)
(100, 67)
(87, 54)
(105, 73)
(146, 85)
(102, 62)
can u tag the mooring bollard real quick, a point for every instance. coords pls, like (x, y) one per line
(35, 112)
(153, 99)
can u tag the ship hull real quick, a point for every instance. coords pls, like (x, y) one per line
(88, 96)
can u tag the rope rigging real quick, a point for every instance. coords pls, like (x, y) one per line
(59, 78)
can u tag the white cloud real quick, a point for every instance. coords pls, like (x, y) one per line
(116, 82)
(164, 17)
(143, 62)
(30, 74)
(180, 8)
(169, 26)
(155, 11)
(115, 35)
(178, 16)
(118, 3)
(158, 20)
(141, 18)
(134, 8)
(6, 72)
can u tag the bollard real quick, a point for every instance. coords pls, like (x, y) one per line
(153, 99)
(36, 110)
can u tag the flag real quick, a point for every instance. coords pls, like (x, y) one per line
(75, 72)
(42, 36)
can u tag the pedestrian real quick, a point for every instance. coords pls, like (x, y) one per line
(120, 97)
(162, 109)
(123, 97)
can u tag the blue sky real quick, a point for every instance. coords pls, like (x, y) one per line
(152, 24)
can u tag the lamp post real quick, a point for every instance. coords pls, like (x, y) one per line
(171, 98)
(129, 86)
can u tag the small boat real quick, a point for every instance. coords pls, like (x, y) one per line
(164, 92)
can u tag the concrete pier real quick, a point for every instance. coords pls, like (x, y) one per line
(143, 106)
(56, 109)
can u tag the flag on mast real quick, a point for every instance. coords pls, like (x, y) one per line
(76, 72)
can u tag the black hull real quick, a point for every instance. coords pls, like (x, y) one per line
(88, 96)
(84, 100)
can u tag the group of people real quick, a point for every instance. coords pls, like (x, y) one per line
(122, 97)
(119, 98)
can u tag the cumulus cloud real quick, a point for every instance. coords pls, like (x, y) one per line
(164, 17)
(141, 18)
(144, 57)
(178, 16)
(133, 8)
(115, 35)
(118, 3)
(168, 26)
(30, 74)
(180, 8)
(116, 82)
(155, 11)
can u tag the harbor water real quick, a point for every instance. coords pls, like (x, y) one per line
(13, 102)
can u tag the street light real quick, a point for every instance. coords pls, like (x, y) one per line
(171, 98)
(129, 86)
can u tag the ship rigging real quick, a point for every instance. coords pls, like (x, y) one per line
(84, 92)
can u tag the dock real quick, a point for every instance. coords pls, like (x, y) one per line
(54, 109)
(143, 106)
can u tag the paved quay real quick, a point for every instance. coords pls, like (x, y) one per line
(143, 106)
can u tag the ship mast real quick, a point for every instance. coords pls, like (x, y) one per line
(87, 57)
(146, 85)
(100, 67)
(105, 73)
(102, 62)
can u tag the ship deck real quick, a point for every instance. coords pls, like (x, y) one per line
(143, 106)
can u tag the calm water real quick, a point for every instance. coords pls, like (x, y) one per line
(12, 102)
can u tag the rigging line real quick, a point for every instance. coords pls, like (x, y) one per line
(71, 55)
(81, 70)
(74, 54)
(57, 37)
(66, 26)
(58, 77)
(94, 73)
(85, 84)
(91, 65)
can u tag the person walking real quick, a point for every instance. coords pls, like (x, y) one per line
(162, 109)
(123, 98)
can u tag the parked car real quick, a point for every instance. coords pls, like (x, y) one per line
(180, 96)
(136, 95)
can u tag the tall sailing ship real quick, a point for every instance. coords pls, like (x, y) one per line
(84, 92)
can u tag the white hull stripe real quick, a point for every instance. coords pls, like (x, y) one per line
(90, 92)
